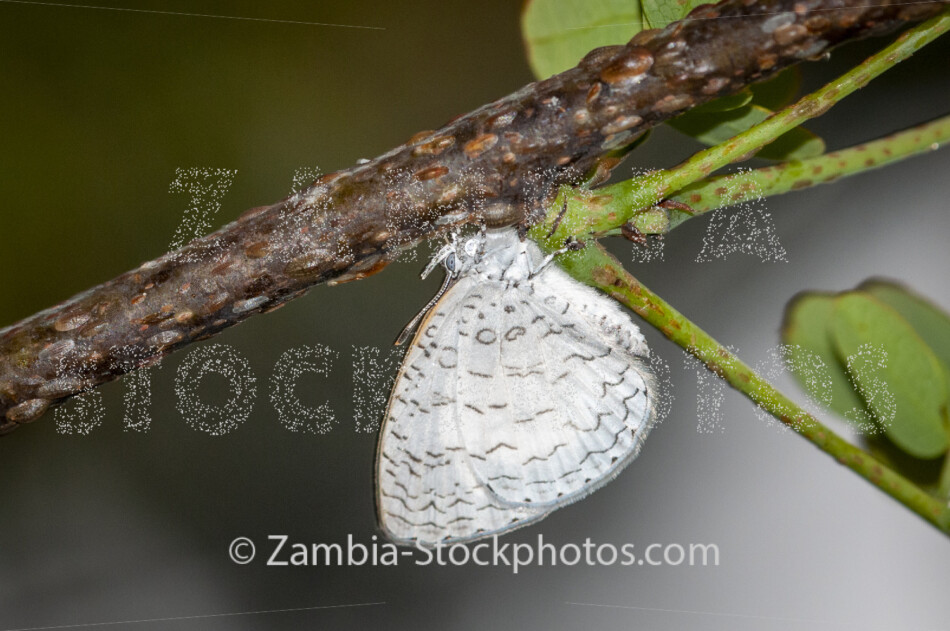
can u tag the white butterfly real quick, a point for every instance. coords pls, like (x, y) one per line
(523, 391)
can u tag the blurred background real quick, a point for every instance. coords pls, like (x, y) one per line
(100, 107)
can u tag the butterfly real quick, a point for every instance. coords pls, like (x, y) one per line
(522, 391)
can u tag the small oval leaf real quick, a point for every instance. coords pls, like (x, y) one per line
(714, 128)
(911, 373)
(806, 329)
(660, 13)
(779, 91)
(558, 33)
(795, 144)
(930, 322)
(725, 103)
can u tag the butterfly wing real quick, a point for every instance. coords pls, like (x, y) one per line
(426, 488)
(554, 391)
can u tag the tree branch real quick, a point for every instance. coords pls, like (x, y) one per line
(497, 165)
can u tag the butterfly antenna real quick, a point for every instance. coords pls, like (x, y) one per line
(406, 332)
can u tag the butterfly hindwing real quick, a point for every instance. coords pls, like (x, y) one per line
(552, 403)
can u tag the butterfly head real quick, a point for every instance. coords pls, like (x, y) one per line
(457, 257)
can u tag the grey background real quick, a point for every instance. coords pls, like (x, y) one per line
(100, 107)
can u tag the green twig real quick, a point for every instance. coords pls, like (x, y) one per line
(726, 190)
(607, 208)
(596, 267)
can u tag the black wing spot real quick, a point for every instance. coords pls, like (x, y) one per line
(486, 336)
(514, 333)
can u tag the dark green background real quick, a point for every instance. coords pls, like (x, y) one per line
(97, 110)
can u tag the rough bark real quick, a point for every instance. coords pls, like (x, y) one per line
(494, 166)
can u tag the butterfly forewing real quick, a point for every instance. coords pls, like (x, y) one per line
(426, 488)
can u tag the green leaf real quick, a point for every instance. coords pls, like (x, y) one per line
(806, 330)
(779, 91)
(795, 144)
(558, 33)
(930, 322)
(714, 128)
(659, 13)
(725, 103)
(911, 374)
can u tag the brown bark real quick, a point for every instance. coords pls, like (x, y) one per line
(493, 166)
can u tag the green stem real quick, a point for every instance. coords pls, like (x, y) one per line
(610, 207)
(943, 485)
(726, 190)
(594, 266)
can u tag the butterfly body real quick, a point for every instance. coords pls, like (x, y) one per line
(522, 391)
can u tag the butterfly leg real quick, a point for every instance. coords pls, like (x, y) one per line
(570, 245)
